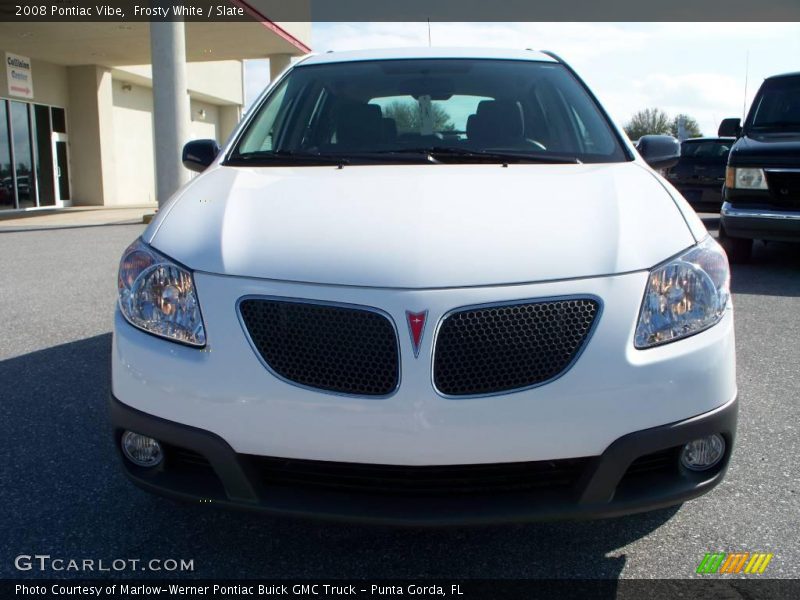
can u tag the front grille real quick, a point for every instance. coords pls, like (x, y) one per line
(502, 348)
(334, 348)
(784, 188)
(418, 480)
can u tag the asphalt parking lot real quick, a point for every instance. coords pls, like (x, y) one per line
(63, 494)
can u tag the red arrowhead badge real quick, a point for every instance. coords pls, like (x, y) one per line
(416, 327)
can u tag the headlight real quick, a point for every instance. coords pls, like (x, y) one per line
(684, 296)
(745, 179)
(158, 296)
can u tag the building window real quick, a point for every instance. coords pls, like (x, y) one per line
(6, 178)
(43, 154)
(33, 155)
(23, 155)
(59, 120)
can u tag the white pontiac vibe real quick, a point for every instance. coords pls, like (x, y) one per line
(426, 286)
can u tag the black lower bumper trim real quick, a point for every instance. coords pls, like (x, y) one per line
(753, 228)
(603, 488)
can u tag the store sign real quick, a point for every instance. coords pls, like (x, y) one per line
(20, 77)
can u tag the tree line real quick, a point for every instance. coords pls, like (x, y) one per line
(654, 121)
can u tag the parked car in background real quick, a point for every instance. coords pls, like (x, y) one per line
(700, 172)
(24, 186)
(762, 181)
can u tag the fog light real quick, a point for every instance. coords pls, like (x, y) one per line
(141, 450)
(704, 453)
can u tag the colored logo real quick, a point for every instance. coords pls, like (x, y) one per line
(416, 327)
(754, 563)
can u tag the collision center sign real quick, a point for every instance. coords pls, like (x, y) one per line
(20, 77)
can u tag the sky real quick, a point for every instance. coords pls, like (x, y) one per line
(694, 68)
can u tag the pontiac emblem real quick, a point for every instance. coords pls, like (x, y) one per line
(416, 328)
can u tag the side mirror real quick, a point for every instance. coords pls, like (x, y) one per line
(659, 151)
(198, 154)
(730, 127)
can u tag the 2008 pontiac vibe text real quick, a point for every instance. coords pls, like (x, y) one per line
(426, 286)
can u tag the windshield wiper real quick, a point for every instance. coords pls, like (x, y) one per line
(433, 154)
(439, 152)
(287, 157)
(398, 155)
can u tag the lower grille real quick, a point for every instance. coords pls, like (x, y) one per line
(419, 481)
(503, 348)
(186, 458)
(190, 471)
(664, 461)
(340, 349)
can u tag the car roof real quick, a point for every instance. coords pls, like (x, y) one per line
(411, 53)
(781, 75)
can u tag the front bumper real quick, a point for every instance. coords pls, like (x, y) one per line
(761, 223)
(616, 482)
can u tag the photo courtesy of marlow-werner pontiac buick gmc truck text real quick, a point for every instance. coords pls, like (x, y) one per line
(426, 286)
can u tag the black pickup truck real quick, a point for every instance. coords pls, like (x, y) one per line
(762, 181)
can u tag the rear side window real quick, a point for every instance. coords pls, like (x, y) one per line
(447, 116)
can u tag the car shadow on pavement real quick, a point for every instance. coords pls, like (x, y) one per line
(773, 270)
(65, 495)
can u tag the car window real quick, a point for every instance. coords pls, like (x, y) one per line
(446, 116)
(375, 109)
(706, 149)
(263, 127)
(777, 106)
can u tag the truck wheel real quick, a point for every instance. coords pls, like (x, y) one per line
(739, 250)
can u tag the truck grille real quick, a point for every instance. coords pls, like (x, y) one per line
(419, 480)
(340, 349)
(493, 349)
(784, 188)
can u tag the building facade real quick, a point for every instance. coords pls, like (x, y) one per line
(76, 104)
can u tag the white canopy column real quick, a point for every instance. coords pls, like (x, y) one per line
(277, 64)
(170, 105)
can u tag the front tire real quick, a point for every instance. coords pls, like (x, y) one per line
(739, 250)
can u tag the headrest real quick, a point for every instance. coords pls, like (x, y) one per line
(498, 122)
(389, 129)
(359, 124)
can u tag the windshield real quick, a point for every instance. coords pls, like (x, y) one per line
(431, 110)
(777, 107)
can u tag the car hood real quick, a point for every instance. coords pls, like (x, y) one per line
(767, 150)
(422, 226)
